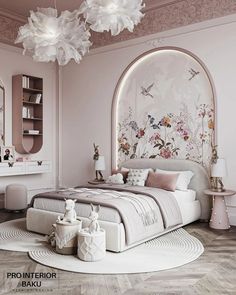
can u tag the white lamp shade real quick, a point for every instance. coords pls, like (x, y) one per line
(219, 168)
(100, 163)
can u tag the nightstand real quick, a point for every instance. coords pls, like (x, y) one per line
(219, 217)
(96, 182)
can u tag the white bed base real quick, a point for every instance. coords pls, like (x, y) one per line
(41, 221)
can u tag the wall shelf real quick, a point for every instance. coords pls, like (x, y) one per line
(32, 103)
(32, 89)
(25, 168)
(28, 134)
(27, 107)
(36, 119)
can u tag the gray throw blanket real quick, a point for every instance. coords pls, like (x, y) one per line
(144, 211)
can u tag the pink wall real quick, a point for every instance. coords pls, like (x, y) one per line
(88, 89)
(13, 62)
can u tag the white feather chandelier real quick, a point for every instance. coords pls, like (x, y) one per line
(112, 15)
(51, 37)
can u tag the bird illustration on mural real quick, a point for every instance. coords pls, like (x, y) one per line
(193, 73)
(146, 91)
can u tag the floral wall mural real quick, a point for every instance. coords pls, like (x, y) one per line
(164, 108)
(1, 115)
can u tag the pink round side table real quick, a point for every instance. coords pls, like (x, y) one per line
(219, 217)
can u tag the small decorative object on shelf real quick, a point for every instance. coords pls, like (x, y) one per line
(34, 132)
(99, 163)
(36, 98)
(92, 240)
(8, 154)
(219, 217)
(64, 233)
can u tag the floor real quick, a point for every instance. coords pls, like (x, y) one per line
(213, 273)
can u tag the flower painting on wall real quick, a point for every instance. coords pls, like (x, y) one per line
(165, 109)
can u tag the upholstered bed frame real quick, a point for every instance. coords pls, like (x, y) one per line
(41, 220)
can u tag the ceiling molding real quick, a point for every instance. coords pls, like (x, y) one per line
(160, 16)
(8, 30)
(153, 4)
(12, 15)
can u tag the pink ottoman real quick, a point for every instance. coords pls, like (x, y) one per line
(16, 197)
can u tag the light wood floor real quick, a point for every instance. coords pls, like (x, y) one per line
(213, 273)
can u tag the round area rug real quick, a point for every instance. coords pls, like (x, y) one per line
(15, 237)
(168, 251)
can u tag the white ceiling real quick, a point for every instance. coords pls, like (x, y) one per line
(22, 7)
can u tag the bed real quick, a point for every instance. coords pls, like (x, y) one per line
(122, 231)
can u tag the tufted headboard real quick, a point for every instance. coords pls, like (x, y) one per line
(199, 182)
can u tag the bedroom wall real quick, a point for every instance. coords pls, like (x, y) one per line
(87, 91)
(12, 62)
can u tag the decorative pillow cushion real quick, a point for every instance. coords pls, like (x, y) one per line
(115, 179)
(137, 176)
(124, 173)
(162, 180)
(183, 179)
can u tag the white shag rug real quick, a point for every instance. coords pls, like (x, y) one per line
(168, 251)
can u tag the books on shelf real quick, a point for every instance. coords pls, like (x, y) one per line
(27, 112)
(25, 82)
(31, 131)
(36, 98)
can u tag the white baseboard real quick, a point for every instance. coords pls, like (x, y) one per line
(232, 220)
(2, 201)
(232, 215)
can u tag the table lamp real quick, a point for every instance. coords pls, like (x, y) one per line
(218, 170)
(99, 166)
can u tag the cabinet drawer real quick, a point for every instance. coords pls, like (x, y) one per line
(38, 167)
(17, 168)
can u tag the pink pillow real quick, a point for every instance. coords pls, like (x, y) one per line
(124, 173)
(163, 181)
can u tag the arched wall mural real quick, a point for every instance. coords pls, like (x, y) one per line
(164, 106)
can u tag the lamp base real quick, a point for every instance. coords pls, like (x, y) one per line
(217, 184)
(219, 190)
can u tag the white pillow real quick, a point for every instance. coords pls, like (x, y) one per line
(124, 169)
(183, 179)
(115, 179)
(137, 176)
